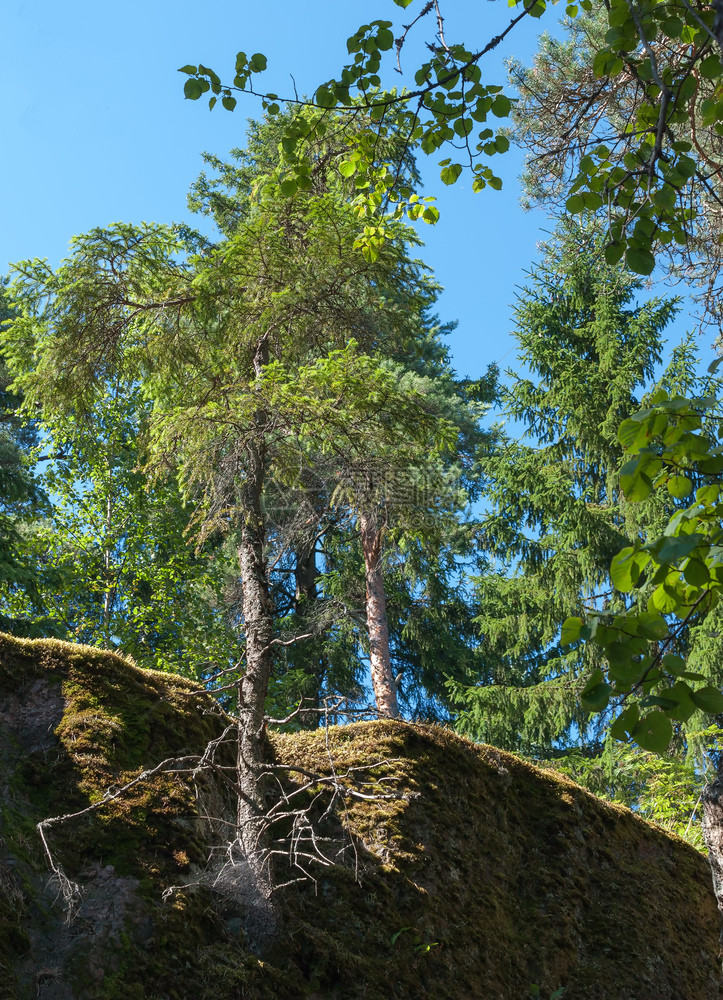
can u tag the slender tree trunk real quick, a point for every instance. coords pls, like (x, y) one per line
(254, 877)
(712, 799)
(385, 690)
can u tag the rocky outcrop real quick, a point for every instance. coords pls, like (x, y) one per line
(459, 871)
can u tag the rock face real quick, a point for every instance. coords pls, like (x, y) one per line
(462, 872)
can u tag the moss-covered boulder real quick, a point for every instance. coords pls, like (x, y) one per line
(464, 872)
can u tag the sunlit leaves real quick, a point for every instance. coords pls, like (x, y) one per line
(450, 173)
(671, 444)
(643, 178)
(627, 567)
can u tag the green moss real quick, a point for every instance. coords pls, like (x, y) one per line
(483, 877)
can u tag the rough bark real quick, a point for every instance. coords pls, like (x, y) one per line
(385, 690)
(251, 847)
(712, 799)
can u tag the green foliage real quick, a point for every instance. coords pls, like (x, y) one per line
(602, 134)
(663, 788)
(674, 439)
(652, 69)
(557, 514)
(279, 345)
(21, 496)
(117, 568)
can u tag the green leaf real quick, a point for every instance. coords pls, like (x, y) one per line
(571, 631)
(575, 204)
(654, 732)
(288, 187)
(606, 63)
(229, 103)
(450, 174)
(596, 693)
(679, 486)
(708, 699)
(324, 98)
(626, 567)
(680, 693)
(347, 168)
(696, 573)
(193, 89)
(635, 487)
(614, 252)
(674, 664)
(639, 261)
(710, 68)
(190, 70)
(650, 625)
(501, 106)
(673, 547)
(213, 77)
(596, 699)
(625, 723)
(385, 39)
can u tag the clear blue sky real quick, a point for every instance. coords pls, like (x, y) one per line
(96, 131)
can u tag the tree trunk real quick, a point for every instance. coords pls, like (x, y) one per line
(250, 859)
(385, 690)
(712, 799)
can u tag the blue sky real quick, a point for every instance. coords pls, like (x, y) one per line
(96, 130)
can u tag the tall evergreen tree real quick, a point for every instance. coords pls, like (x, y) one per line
(319, 586)
(253, 354)
(556, 512)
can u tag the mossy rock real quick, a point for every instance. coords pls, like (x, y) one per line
(478, 876)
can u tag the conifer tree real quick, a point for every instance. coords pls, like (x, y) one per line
(556, 513)
(319, 587)
(255, 355)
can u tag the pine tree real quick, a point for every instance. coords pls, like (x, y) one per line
(254, 355)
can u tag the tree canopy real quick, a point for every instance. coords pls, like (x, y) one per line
(638, 128)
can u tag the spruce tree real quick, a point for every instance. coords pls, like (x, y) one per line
(318, 584)
(556, 515)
